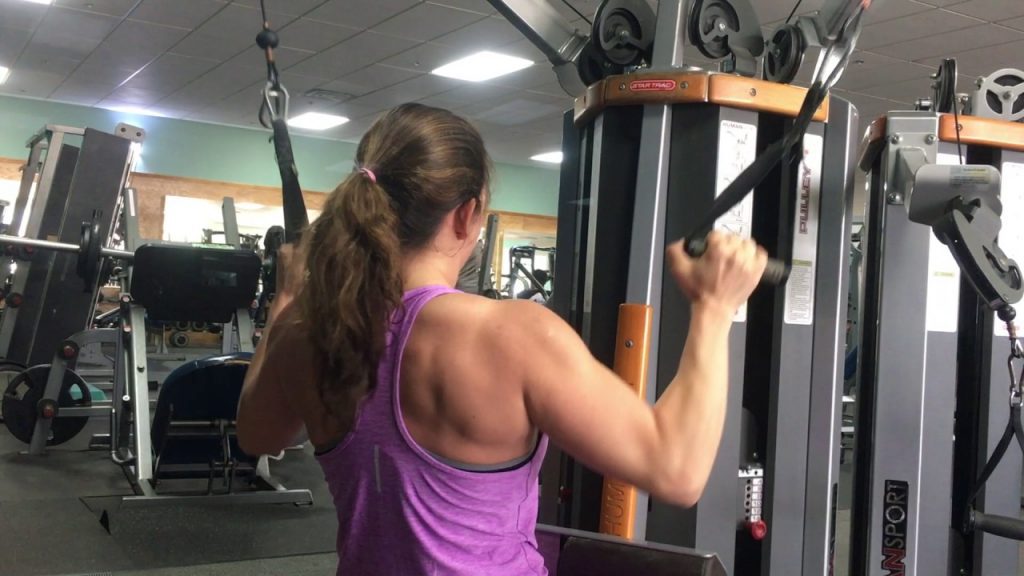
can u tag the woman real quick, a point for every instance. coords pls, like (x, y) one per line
(430, 410)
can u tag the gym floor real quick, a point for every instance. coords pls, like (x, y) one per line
(51, 507)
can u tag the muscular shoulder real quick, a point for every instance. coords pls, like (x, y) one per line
(503, 333)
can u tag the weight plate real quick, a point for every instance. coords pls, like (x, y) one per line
(624, 31)
(709, 24)
(8, 371)
(1001, 95)
(89, 261)
(21, 403)
(784, 55)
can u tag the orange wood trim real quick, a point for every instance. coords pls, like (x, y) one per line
(761, 96)
(983, 132)
(641, 88)
(632, 353)
(692, 87)
(872, 143)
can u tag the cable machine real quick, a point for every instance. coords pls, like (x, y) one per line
(654, 152)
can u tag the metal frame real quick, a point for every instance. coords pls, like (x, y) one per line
(130, 402)
(902, 483)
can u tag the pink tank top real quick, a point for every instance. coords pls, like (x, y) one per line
(404, 512)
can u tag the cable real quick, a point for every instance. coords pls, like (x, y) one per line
(263, 10)
(791, 12)
(571, 7)
(956, 120)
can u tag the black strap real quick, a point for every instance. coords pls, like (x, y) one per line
(274, 115)
(1013, 429)
(295, 217)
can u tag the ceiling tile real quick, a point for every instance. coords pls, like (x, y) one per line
(289, 7)
(478, 6)
(116, 8)
(424, 86)
(135, 96)
(21, 15)
(517, 112)
(314, 35)
(426, 22)
(359, 13)
(237, 24)
(143, 41)
(940, 44)
(775, 11)
(424, 58)
(984, 61)
(908, 91)
(87, 93)
(218, 83)
(990, 10)
(535, 76)
(1015, 23)
(12, 41)
(182, 13)
(103, 67)
(31, 83)
(484, 34)
(892, 9)
(31, 60)
(170, 72)
(200, 45)
(370, 79)
(870, 69)
(910, 27)
(357, 52)
(77, 31)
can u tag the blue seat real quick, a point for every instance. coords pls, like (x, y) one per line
(193, 428)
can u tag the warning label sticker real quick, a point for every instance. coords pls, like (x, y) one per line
(941, 310)
(737, 148)
(800, 286)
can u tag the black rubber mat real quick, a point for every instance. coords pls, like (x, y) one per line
(50, 509)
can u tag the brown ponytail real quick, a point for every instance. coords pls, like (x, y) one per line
(416, 164)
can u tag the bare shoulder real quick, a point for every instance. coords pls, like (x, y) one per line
(483, 317)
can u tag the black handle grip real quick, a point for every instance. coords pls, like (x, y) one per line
(1005, 526)
(775, 273)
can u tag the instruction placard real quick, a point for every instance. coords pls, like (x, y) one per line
(737, 148)
(800, 286)
(942, 308)
(1011, 235)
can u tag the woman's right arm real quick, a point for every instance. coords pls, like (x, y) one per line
(667, 449)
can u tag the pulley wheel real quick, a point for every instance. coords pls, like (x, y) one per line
(944, 87)
(1001, 95)
(624, 31)
(22, 399)
(594, 67)
(784, 55)
(709, 24)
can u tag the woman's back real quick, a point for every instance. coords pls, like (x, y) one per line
(406, 509)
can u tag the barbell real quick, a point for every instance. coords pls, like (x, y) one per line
(89, 249)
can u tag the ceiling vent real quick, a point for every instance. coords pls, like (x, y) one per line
(327, 95)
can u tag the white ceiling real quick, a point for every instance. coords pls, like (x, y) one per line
(197, 59)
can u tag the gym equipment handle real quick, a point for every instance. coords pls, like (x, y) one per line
(6, 240)
(775, 273)
(1003, 526)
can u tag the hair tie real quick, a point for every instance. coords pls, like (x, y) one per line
(369, 174)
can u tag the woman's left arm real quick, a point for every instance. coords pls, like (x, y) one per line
(268, 418)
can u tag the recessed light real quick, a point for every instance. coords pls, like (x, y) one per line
(482, 66)
(4, 73)
(40, 1)
(549, 157)
(317, 121)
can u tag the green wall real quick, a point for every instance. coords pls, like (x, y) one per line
(231, 154)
